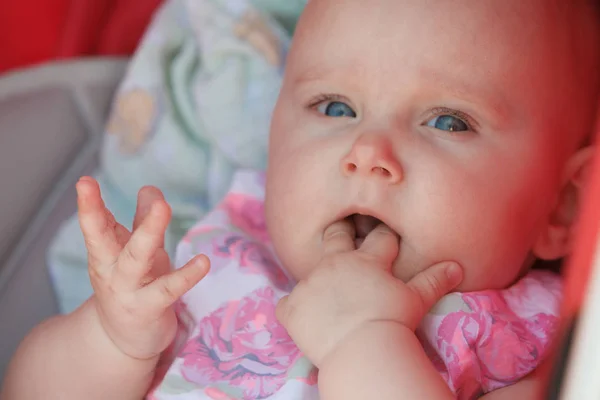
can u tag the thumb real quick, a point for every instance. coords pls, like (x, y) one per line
(435, 282)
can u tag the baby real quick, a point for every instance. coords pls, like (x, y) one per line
(418, 148)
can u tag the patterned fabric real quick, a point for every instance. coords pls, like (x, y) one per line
(232, 346)
(194, 107)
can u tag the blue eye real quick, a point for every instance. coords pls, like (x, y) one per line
(336, 109)
(448, 123)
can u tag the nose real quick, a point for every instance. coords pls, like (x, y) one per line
(372, 156)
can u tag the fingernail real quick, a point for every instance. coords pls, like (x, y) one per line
(79, 182)
(85, 179)
(454, 273)
(78, 189)
(202, 260)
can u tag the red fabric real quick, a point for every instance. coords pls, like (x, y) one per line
(29, 31)
(578, 270)
(125, 26)
(51, 29)
(579, 266)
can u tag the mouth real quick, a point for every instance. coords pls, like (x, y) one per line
(363, 223)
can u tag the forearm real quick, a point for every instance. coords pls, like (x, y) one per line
(381, 361)
(70, 357)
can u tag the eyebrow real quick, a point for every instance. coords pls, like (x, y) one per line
(315, 73)
(490, 96)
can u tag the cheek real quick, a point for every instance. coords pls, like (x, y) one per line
(281, 206)
(296, 205)
(484, 217)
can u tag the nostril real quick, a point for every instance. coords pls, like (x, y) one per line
(381, 171)
(351, 167)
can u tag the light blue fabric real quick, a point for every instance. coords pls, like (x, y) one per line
(194, 106)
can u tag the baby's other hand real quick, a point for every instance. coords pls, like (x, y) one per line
(134, 287)
(354, 287)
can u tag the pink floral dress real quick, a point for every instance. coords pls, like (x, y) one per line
(232, 347)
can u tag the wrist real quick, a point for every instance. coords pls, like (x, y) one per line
(91, 313)
(102, 363)
(374, 331)
(380, 359)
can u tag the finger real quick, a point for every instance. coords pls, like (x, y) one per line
(161, 265)
(339, 237)
(98, 225)
(137, 257)
(123, 235)
(381, 242)
(281, 310)
(167, 289)
(146, 197)
(435, 282)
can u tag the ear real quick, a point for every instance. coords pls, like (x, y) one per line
(556, 238)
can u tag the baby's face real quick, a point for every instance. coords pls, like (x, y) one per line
(445, 120)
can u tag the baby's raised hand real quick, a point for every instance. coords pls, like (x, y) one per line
(134, 287)
(354, 287)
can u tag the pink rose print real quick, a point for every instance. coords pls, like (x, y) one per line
(433, 356)
(252, 257)
(242, 345)
(457, 336)
(490, 344)
(543, 327)
(216, 394)
(507, 354)
(248, 214)
(539, 293)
